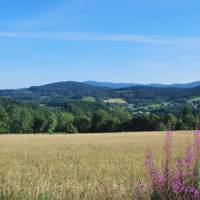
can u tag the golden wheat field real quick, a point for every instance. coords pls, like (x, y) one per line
(90, 166)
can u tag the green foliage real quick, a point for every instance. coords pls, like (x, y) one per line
(56, 94)
(161, 127)
(43, 197)
(65, 123)
(89, 99)
(83, 117)
(51, 122)
(71, 128)
(20, 119)
(155, 196)
(44, 121)
(99, 121)
(4, 121)
(79, 108)
(83, 124)
(39, 122)
(112, 125)
(121, 114)
(188, 118)
(140, 123)
(170, 120)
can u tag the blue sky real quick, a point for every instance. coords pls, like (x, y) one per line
(138, 41)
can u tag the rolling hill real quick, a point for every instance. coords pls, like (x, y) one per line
(147, 94)
(111, 85)
(56, 94)
(122, 85)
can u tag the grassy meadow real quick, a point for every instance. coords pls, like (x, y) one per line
(89, 166)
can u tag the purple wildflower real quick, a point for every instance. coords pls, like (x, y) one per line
(169, 135)
(168, 146)
(197, 138)
(192, 190)
(196, 194)
(148, 161)
(154, 175)
(183, 182)
(180, 163)
(177, 186)
(190, 157)
(161, 179)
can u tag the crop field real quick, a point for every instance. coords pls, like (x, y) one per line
(116, 101)
(90, 166)
(194, 99)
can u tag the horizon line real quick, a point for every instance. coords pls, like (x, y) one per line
(136, 84)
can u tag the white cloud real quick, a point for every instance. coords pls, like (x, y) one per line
(79, 36)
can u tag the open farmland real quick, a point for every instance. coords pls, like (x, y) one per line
(117, 101)
(90, 166)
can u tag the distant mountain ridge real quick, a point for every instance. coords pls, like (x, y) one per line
(111, 84)
(56, 94)
(124, 85)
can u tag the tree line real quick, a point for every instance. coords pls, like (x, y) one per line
(84, 117)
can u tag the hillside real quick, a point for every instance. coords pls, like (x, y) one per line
(123, 85)
(67, 88)
(111, 85)
(144, 94)
(56, 94)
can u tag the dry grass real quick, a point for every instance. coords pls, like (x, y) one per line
(91, 166)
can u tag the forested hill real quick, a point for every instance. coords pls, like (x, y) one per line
(68, 89)
(147, 94)
(79, 107)
(56, 94)
(122, 85)
(60, 91)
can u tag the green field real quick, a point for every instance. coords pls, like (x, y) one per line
(90, 166)
(89, 99)
(194, 99)
(115, 101)
(152, 106)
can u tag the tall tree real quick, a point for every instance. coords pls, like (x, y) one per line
(4, 121)
(20, 119)
(99, 121)
(82, 123)
(65, 123)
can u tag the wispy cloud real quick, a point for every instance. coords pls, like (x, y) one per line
(86, 36)
(79, 36)
(46, 19)
(63, 13)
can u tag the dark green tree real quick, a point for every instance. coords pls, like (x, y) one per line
(51, 122)
(65, 123)
(44, 121)
(99, 121)
(39, 122)
(112, 124)
(155, 124)
(170, 121)
(4, 121)
(121, 114)
(140, 123)
(82, 123)
(21, 120)
(188, 118)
